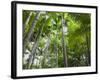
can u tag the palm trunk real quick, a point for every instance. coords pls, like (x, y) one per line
(27, 20)
(88, 51)
(46, 52)
(25, 42)
(31, 30)
(56, 54)
(31, 60)
(33, 54)
(63, 44)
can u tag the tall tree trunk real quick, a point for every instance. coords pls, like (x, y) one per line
(32, 56)
(25, 42)
(27, 20)
(31, 60)
(56, 54)
(46, 51)
(56, 50)
(63, 43)
(88, 51)
(31, 30)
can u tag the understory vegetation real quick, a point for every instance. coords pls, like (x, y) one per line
(56, 39)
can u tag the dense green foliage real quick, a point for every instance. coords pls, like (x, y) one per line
(56, 39)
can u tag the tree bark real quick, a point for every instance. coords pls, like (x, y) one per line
(31, 29)
(64, 44)
(88, 51)
(56, 54)
(27, 20)
(25, 42)
(35, 46)
(46, 51)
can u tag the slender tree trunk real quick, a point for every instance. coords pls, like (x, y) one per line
(25, 42)
(56, 50)
(27, 20)
(46, 51)
(33, 54)
(31, 60)
(31, 29)
(56, 54)
(64, 44)
(88, 51)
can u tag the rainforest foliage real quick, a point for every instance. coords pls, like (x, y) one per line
(56, 39)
